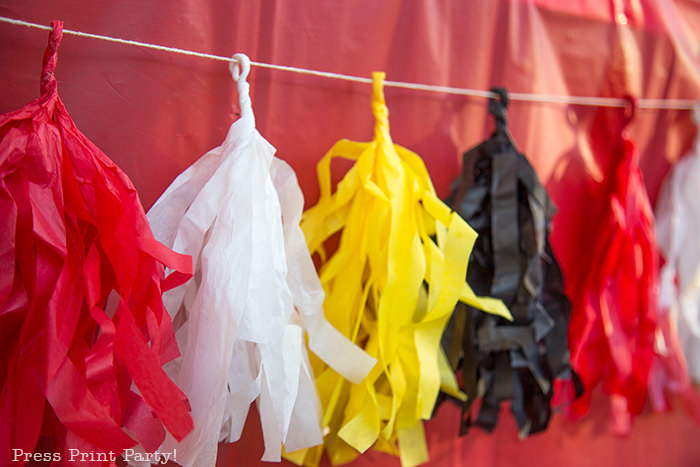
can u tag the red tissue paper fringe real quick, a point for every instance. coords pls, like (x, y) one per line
(614, 316)
(81, 277)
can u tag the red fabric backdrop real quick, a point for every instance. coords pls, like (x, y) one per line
(154, 113)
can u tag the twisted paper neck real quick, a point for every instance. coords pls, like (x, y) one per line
(240, 67)
(379, 108)
(48, 79)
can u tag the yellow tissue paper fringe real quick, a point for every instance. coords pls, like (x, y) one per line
(391, 287)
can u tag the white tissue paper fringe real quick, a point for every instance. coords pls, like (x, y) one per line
(678, 226)
(240, 321)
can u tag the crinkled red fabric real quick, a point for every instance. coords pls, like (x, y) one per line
(81, 277)
(614, 318)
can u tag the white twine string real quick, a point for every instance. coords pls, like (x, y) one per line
(678, 104)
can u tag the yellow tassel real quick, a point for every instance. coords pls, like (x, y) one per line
(391, 286)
